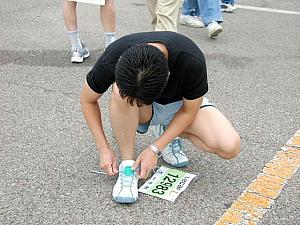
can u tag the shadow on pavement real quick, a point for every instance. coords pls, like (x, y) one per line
(51, 58)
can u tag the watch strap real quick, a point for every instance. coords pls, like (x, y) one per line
(157, 152)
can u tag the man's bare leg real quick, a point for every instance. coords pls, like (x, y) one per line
(108, 16)
(79, 51)
(212, 132)
(124, 120)
(70, 18)
(108, 20)
(70, 15)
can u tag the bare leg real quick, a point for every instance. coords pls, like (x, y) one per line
(124, 120)
(212, 132)
(108, 16)
(70, 16)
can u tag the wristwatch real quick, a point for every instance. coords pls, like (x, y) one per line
(157, 152)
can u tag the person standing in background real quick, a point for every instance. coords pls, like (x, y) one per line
(164, 14)
(208, 10)
(108, 20)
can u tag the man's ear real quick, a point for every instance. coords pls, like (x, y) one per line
(115, 87)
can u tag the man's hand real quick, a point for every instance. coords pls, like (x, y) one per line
(147, 160)
(108, 162)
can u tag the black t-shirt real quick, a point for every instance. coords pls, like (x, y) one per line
(188, 76)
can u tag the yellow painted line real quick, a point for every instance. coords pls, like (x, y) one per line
(258, 197)
(267, 10)
(295, 140)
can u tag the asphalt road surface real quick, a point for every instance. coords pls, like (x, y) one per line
(46, 150)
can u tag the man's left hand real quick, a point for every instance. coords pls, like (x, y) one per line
(147, 161)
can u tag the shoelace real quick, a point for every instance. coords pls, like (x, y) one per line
(127, 176)
(176, 146)
(104, 173)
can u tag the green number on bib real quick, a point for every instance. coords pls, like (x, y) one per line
(160, 192)
(176, 176)
(161, 187)
(166, 184)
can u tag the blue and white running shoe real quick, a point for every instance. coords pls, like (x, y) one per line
(173, 153)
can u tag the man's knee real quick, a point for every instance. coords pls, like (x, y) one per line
(230, 148)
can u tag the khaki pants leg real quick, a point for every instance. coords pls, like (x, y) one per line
(164, 14)
(151, 4)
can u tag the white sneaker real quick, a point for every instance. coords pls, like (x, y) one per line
(192, 21)
(79, 54)
(227, 7)
(173, 153)
(214, 29)
(126, 188)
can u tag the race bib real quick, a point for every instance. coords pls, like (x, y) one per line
(167, 183)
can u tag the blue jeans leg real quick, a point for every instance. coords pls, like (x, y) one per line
(190, 7)
(228, 1)
(210, 10)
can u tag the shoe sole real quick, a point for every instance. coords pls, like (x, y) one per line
(79, 59)
(125, 200)
(179, 165)
(86, 55)
(228, 11)
(215, 33)
(190, 25)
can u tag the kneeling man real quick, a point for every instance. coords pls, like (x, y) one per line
(158, 79)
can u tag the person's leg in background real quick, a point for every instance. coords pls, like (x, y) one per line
(108, 20)
(228, 5)
(190, 14)
(211, 15)
(79, 51)
(151, 4)
(164, 14)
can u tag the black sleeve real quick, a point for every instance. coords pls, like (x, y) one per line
(195, 84)
(100, 77)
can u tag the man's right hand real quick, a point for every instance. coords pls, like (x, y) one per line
(108, 162)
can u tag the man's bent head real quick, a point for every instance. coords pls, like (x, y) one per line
(141, 74)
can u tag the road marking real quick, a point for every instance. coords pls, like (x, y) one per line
(295, 141)
(258, 197)
(268, 10)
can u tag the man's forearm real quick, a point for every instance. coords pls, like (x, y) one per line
(180, 122)
(92, 116)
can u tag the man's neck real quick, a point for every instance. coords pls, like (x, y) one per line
(161, 47)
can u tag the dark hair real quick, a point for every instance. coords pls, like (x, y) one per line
(141, 74)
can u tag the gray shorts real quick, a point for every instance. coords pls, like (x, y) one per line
(163, 114)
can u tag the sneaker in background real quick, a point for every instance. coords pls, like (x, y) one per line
(192, 21)
(214, 29)
(79, 54)
(173, 153)
(126, 188)
(227, 7)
